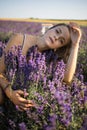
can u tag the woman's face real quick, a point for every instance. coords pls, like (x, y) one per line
(57, 37)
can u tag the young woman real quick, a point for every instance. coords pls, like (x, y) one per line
(63, 38)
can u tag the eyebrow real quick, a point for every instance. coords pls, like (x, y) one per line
(60, 30)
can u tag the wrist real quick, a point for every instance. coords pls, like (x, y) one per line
(8, 91)
(6, 86)
(4, 82)
(75, 45)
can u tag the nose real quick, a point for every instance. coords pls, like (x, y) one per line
(55, 38)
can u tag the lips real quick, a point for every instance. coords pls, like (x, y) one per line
(51, 40)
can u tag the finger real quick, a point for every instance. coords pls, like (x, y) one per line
(27, 105)
(74, 26)
(23, 108)
(75, 30)
(30, 101)
(22, 92)
(23, 100)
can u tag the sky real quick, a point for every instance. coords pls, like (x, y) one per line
(44, 9)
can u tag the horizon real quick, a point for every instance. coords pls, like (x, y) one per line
(32, 18)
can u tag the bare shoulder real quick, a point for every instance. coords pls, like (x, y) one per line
(16, 39)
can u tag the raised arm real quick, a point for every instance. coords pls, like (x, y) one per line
(72, 60)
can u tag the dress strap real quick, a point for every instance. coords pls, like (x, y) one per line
(24, 37)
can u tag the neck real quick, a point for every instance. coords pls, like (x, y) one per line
(28, 43)
(41, 44)
(32, 41)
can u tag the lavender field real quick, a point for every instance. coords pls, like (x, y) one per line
(60, 106)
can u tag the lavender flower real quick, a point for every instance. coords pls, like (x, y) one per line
(42, 77)
(22, 126)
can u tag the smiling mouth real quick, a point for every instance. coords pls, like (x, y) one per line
(51, 40)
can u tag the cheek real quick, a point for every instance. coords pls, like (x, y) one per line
(58, 44)
(45, 37)
(54, 45)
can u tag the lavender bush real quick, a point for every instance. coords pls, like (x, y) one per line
(58, 106)
(7, 28)
(20, 27)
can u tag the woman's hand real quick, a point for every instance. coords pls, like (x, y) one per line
(18, 97)
(75, 33)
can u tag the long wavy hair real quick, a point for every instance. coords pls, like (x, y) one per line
(63, 52)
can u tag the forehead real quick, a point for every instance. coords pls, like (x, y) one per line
(62, 27)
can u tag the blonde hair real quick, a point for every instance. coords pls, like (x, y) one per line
(63, 52)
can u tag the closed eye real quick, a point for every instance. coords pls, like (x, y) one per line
(62, 40)
(58, 31)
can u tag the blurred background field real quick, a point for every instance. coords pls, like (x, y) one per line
(53, 21)
(32, 25)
